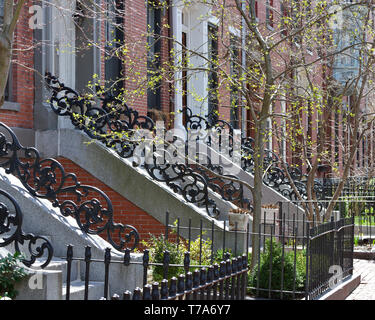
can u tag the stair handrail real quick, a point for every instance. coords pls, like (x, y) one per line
(274, 176)
(122, 121)
(11, 223)
(47, 179)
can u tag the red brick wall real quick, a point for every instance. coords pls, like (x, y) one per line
(23, 75)
(125, 212)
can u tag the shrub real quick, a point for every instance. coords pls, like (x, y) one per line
(206, 251)
(157, 246)
(10, 274)
(288, 281)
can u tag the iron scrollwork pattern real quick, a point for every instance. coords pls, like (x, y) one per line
(114, 120)
(274, 177)
(11, 219)
(46, 178)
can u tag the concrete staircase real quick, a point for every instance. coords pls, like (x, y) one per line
(77, 283)
(41, 218)
(132, 182)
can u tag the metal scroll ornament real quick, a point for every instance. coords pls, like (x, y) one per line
(33, 248)
(115, 124)
(46, 178)
(274, 176)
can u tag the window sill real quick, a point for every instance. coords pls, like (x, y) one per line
(269, 27)
(11, 106)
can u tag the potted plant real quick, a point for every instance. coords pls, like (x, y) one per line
(238, 217)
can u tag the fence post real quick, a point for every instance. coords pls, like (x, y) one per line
(137, 295)
(210, 279)
(69, 258)
(164, 289)
(222, 274)
(196, 280)
(229, 272)
(202, 282)
(181, 285)
(166, 225)
(173, 288)
(147, 292)
(352, 245)
(216, 278)
(166, 259)
(307, 288)
(127, 257)
(188, 285)
(244, 276)
(107, 261)
(126, 295)
(233, 278)
(333, 241)
(87, 271)
(280, 218)
(155, 294)
(146, 259)
(186, 262)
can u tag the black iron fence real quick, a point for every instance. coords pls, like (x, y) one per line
(359, 187)
(290, 263)
(330, 255)
(356, 199)
(226, 280)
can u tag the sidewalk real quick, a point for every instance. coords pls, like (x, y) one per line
(366, 289)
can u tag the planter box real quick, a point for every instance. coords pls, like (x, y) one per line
(268, 215)
(241, 219)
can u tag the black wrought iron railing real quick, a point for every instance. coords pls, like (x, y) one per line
(356, 188)
(274, 176)
(226, 280)
(109, 120)
(47, 179)
(33, 247)
(331, 247)
(300, 263)
(180, 267)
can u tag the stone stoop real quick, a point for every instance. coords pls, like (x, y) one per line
(77, 285)
(77, 290)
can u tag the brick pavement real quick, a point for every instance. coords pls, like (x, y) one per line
(366, 289)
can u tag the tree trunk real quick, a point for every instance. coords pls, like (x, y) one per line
(257, 194)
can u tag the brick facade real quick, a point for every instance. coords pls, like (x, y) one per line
(22, 86)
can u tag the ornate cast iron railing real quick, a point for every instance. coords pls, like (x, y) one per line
(11, 220)
(110, 121)
(275, 176)
(47, 179)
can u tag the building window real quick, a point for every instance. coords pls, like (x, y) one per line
(153, 55)
(269, 13)
(254, 8)
(212, 75)
(8, 89)
(235, 69)
(284, 19)
(114, 38)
